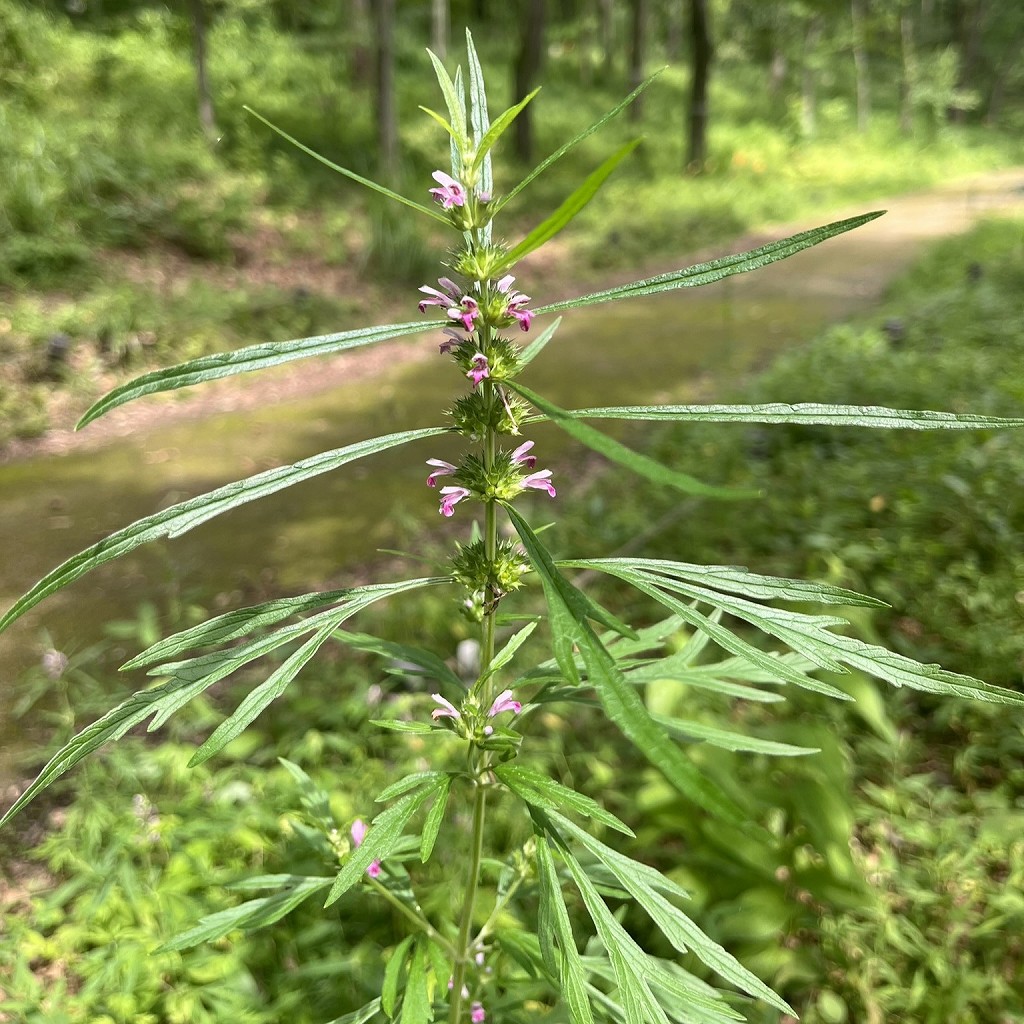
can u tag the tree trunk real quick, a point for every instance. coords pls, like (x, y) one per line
(703, 53)
(206, 118)
(908, 71)
(440, 27)
(970, 15)
(387, 122)
(809, 84)
(858, 11)
(637, 49)
(527, 69)
(361, 59)
(607, 31)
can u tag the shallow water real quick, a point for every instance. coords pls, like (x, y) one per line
(682, 345)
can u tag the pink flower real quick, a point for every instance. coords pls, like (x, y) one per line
(454, 339)
(477, 1014)
(520, 458)
(451, 193)
(452, 496)
(515, 308)
(443, 469)
(504, 702)
(479, 369)
(358, 834)
(540, 481)
(457, 306)
(446, 710)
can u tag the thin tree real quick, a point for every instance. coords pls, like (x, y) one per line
(440, 24)
(637, 51)
(206, 118)
(697, 112)
(858, 15)
(387, 121)
(527, 69)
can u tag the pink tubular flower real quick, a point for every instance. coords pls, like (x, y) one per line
(520, 458)
(504, 702)
(458, 306)
(540, 481)
(446, 710)
(358, 834)
(515, 308)
(452, 496)
(442, 469)
(452, 340)
(477, 1014)
(479, 369)
(451, 193)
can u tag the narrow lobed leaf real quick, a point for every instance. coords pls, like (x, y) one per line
(185, 516)
(435, 817)
(374, 186)
(247, 360)
(715, 270)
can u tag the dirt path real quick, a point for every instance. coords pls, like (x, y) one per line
(912, 220)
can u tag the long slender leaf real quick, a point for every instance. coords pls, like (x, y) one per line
(382, 189)
(508, 652)
(803, 413)
(715, 270)
(544, 792)
(571, 975)
(411, 657)
(738, 579)
(361, 1016)
(415, 1000)
(498, 128)
(393, 974)
(536, 346)
(222, 629)
(728, 739)
(256, 702)
(618, 452)
(456, 110)
(248, 916)
(185, 516)
(618, 697)
(682, 932)
(412, 781)
(435, 818)
(247, 360)
(578, 199)
(479, 118)
(383, 835)
(576, 140)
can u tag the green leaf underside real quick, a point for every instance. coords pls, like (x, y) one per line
(728, 740)
(381, 838)
(568, 966)
(456, 110)
(222, 629)
(572, 143)
(413, 781)
(361, 1016)
(715, 270)
(810, 635)
(258, 699)
(550, 227)
(569, 628)
(413, 658)
(805, 413)
(434, 819)
(247, 916)
(637, 973)
(618, 452)
(534, 349)
(382, 189)
(646, 886)
(736, 579)
(544, 792)
(179, 519)
(415, 1000)
(190, 679)
(247, 360)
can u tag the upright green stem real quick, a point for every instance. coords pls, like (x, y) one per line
(466, 925)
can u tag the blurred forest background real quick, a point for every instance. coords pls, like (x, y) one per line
(145, 218)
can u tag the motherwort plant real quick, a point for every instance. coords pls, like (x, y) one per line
(542, 942)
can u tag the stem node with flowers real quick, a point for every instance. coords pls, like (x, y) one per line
(551, 886)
